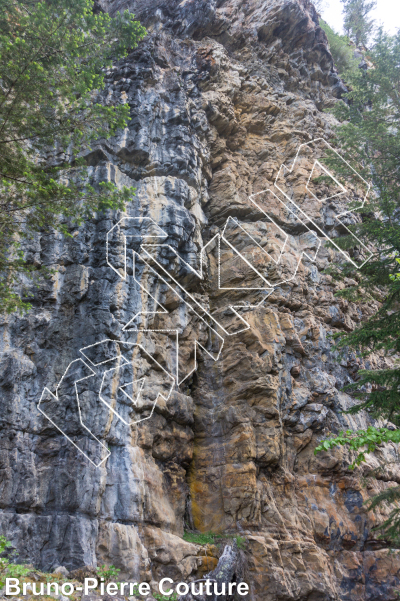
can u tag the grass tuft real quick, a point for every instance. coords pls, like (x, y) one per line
(210, 538)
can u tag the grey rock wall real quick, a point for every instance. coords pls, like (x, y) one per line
(221, 93)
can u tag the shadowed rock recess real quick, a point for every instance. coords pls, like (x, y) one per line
(222, 92)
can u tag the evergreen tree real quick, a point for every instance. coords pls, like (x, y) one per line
(54, 55)
(341, 49)
(369, 138)
(320, 5)
(357, 25)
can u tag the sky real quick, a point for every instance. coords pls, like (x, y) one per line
(387, 13)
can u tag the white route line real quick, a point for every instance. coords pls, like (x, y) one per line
(141, 220)
(143, 381)
(303, 253)
(286, 170)
(55, 396)
(126, 362)
(146, 256)
(196, 342)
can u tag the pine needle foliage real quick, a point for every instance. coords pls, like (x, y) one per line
(369, 140)
(356, 20)
(390, 528)
(341, 49)
(53, 58)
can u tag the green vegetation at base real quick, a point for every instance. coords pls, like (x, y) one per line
(156, 596)
(200, 538)
(159, 597)
(25, 573)
(210, 538)
(109, 573)
(240, 541)
(8, 569)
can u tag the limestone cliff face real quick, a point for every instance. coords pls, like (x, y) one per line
(222, 92)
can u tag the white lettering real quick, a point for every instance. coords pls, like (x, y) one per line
(231, 587)
(35, 592)
(243, 588)
(12, 583)
(179, 588)
(49, 586)
(112, 589)
(144, 588)
(90, 584)
(132, 588)
(64, 589)
(25, 587)
(161, 589)
(216, 589)
(199, 591)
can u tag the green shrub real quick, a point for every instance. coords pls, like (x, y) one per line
(109, 573)
(240, 541)
(15, 570)
(200, 538)
(342, 52)
(209, 538)
(4, 544)
(160, 597)
(157, 596)
(7, 569)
